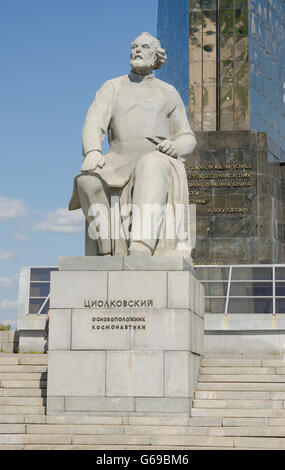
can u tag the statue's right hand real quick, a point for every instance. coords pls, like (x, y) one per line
(93, 160)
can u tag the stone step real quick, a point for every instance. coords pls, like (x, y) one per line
(98, 420)
(232, 362)
(240, 394)
(256, 431)
(242, 422)
(230, 404)
(205, 421)
(17, 410)
(24, 359)
(229, 395)
(74, 429)
(12, 429)
(260, 442)
(166, 430)
(276, 422)
(242, 362)
(23, 384)
(22, 376)
(11, 368)
(142, 440)
(21, 401)
(88, 429)
(23, 392)
(8, 360)
(22, 438)
(237, 370)
(156, 440)
(21, 419)
(242, 378)
(273, 363)
(102, 447)
(81, 419)
(227, 386)
(239, 412)
(41, 359)
(157, 420)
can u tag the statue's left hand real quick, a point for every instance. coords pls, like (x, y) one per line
(93, 160)
(168, 147)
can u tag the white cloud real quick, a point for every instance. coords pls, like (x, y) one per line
(8, 305)
(62, 221)
(12, 208)
(21, 236)
(6, 254)
(7, 282)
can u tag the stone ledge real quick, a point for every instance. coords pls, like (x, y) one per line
(124, 263)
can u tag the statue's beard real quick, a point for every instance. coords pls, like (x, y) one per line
(139, 64)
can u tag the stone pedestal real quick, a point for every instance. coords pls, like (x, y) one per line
(126, 335)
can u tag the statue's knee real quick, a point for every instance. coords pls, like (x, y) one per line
(151, 163)
(88, 183)
(82, 182)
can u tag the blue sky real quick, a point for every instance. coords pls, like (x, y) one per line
(54, 55)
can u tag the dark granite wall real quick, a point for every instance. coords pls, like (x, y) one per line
(240, 199)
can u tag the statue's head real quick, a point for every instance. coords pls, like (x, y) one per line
(146, 53)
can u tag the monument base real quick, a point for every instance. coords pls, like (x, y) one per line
(126, 335)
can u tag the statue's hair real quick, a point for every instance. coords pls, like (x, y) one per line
(160, 52)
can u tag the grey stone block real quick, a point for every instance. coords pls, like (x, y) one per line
(156, 263)
(72, 288)
(197, 297)
(7, 347)
(73, 373)
(165, 330)
(197, 332)
(4, 337)
(32, 341)
(55, 405)
(59, 329)
(177, 374)
(91, 263)
(181, 290)
(136, 285)
(103, 404)
(168, 405)
(195, 367)
(134, 373)
(202, 300)
(85, 337)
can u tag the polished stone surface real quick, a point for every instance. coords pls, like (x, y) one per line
(240, 199)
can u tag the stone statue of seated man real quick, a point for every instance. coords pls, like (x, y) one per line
(150, 139)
